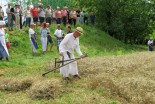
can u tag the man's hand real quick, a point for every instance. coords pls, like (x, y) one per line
(61, 54)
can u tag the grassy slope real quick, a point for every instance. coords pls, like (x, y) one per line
(22, 64)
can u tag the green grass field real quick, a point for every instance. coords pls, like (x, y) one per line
(94, 42)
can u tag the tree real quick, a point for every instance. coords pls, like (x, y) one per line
(126, 20)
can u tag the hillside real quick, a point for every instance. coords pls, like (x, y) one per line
(94, 42)
(21, 80)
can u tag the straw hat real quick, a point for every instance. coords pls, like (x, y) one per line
(79, 30)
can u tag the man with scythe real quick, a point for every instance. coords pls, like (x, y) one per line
(66, 50)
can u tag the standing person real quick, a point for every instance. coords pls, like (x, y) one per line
(92, 18)
(58, 15)
(64, 15)
(85, 13)
(17, 20)
(20, 15)
(69, 30)
(81, 16)
(53, 16)
(1, 13)
(66, 50)
(73, 16)
(32, 37)
(43, 32)
(41, 14)
(3, 48)
(7, 39)
(49, 38)
(28, 16)
(13, 19)
(59, 35)
(150, 44)
(48, 14)
(34, 12)
(78, 12)
(9, 15)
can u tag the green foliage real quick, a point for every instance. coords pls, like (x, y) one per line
(128, 20)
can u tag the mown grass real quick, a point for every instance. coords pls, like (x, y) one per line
(94, 42)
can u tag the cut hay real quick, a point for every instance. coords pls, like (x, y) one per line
(129, 78)
(14, 84)
(45, 89)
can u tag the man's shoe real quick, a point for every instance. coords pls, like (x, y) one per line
(67, 79)
(76, 76)
(7, 59)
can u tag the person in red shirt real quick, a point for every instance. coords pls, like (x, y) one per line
(64, 15)
(58, 15)
(34, 12)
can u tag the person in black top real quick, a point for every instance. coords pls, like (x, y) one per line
(69, 30)
(49, 38)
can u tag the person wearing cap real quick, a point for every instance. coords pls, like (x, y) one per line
(59, 35)
(66, 50)
(3, 48)
(1, 13)
(32, 37)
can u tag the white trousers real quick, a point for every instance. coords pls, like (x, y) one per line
(44, 43)
(33, 48)
(17, 21)
(70, 68)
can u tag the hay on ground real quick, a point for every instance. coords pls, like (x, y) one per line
(15, 84)
(45, 89)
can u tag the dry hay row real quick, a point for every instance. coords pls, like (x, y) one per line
(15, 84)
(129, 77)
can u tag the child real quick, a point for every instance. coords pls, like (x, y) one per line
(7, 39)
(69, 30)
(49, 38)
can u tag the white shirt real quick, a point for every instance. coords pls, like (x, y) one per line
(150, 42)
(2, 32)
(28, 13)
(70, 43)
(58, 33)
(31, 31)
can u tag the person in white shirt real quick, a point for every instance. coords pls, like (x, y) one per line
(150, 45)
(66, 50)
(32, 37)
(28, 16)
(16, 12)
(3, 48)
(59, 35)
(10, 20)
(44, 33)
